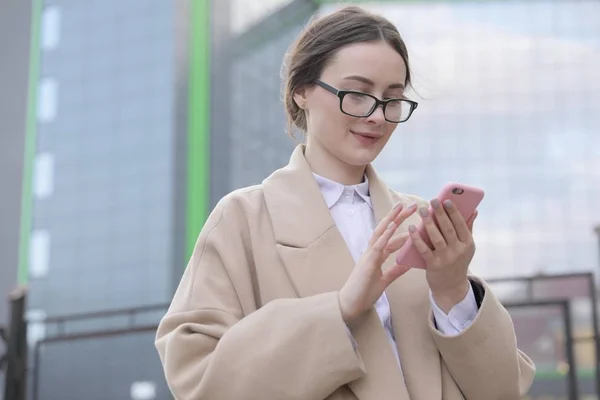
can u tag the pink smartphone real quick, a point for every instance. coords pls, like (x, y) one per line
(466, 198)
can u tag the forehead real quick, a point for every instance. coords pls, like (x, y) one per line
(377, 61)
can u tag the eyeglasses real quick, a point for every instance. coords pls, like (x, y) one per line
(361, 105)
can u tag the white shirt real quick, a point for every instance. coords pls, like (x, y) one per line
(352, 211)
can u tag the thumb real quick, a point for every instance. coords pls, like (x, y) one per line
(393, 273)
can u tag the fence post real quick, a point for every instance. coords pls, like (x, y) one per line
(16, 351)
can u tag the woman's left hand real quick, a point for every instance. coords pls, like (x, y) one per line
(447, 263)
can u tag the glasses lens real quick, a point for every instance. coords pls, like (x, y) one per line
(397, 110)
(357, 104)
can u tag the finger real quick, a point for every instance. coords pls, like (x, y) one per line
(396, 242)
(405, 213)
(420, 245)
(472, 220)
(378, 250)
(384, 223)
(437, 240)
(460, 225)
(393, 273)
(443, 220)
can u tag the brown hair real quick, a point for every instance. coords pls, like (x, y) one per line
(318, 43)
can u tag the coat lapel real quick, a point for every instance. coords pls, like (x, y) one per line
(317, 260)
(419, 356)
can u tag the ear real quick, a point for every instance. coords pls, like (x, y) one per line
(300, 97)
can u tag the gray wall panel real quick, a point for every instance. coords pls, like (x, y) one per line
(110, 214)
(15, 27)
(259, 142)
(221, 95)
(15, 23)
(110, 210)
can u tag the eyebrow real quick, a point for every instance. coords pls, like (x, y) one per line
(370, 82)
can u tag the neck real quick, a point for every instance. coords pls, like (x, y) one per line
(323, 163)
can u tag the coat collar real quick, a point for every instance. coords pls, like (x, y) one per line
(294, 200)
(317, 260)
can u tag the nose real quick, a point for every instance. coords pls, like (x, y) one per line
(377, 117)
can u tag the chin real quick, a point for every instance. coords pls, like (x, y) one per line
(360, 158)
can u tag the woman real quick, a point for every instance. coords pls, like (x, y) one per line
(292, 291)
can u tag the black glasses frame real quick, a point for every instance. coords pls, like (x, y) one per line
(342, 93)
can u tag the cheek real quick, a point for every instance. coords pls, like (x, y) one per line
(390, 128)
(346, 121)
(329, 118)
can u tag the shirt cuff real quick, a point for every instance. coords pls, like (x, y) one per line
(354, 344)
(459, 318)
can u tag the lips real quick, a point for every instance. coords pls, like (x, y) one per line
(368, 135)
(366, 138)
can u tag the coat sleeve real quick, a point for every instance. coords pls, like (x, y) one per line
(211, 348)
(484, 360)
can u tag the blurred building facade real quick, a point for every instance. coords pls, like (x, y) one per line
(15, 21)
(127, 124)
(107, 202)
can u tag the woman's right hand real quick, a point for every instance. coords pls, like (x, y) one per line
(367, 282)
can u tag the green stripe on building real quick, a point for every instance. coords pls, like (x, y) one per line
(30, 143)
(198, 150)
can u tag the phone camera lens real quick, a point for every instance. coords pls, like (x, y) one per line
(457, 191)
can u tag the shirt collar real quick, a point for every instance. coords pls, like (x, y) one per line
(332, 191)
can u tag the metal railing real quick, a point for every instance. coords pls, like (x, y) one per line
(565, 310)
(590, 287)
(15, 364)
(131, 327)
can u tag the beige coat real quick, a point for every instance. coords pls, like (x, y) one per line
(256, 315)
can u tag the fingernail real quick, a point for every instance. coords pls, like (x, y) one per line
(412, 206)
(423, 212)
(448, 203)
(398, 205)
(412, 228)
(435, 203)
(391, 225)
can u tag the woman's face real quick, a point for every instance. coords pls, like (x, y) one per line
(370, 67)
